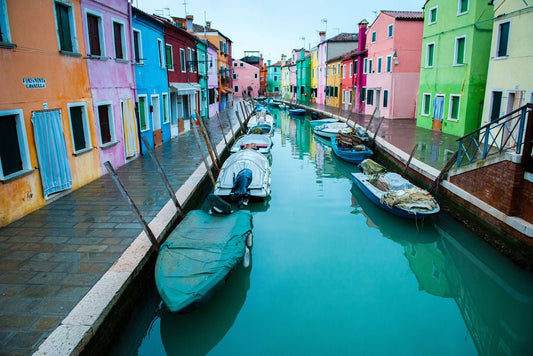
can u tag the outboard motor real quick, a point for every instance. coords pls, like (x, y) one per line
(239, 192)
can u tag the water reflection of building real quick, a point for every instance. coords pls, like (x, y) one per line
(494, 297)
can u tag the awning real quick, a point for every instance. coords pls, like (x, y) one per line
(185, 88)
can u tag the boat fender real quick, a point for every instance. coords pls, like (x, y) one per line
(246, 258)
(250, 240)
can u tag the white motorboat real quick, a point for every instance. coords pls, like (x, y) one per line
(260, 143)
(332, 129)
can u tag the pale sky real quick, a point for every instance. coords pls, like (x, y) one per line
(274, 27)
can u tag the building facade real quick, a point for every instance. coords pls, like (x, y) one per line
(246, 81)
(274, 78)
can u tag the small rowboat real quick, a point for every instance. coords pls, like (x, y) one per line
(297, 112)
(350, 153)
(331, 129)
(198, 255)
(260, 143)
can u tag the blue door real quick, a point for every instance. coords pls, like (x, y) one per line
(51, 151)
(438, 107)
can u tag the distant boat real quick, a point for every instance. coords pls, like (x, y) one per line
(297, 112)
(393, 193)
(283, 106)
(259, 119)
(198, 255)
(331, 129)
(253, 168)
(322, 122)
(260, 98)
(350, 152)
(260, 143)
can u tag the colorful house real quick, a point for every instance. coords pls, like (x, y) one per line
(303, 77)
(327, 50)
(263, 73)
(360, 58)
(49, 142)
(108, 31)
(348, 81)
(393, 69)
(292, 81)
(151, 78)
(274, 78)
(246, 80)
(212, 79)
(201, 48)
(285, 79)
(314, 74)
(454, 63)
(333, 82)
(507, 86)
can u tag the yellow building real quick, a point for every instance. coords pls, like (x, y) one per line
(314, 74)
(334, 82)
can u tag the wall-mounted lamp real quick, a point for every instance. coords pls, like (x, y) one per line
(395, 55)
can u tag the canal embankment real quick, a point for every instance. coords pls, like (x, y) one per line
(511, 235)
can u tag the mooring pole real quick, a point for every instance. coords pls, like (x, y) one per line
(222, 130)
(207, 143)
(208, 137)
(240, 122)
(409, 160)
(231, 127)
(243, 113)
(203, 157)
(132, 205)
(370, 121)
(163, 176)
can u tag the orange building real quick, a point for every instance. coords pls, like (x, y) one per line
(47, 128)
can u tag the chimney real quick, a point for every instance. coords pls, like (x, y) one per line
(362, 35)
(283, 59)
(322, 35)
(189, 19)
(208, 25)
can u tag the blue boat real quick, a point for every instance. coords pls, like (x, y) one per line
(297, 112)
(198, 255)
(394, 194)
(353, 154)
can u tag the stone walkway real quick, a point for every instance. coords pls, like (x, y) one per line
(52, 257)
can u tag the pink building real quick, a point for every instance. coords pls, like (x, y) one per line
(246, 79)
(394, 43)
(212, 78)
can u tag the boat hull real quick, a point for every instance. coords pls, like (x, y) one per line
(350, 155)
(198, 255)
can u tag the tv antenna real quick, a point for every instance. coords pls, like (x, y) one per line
(325, 20)
(184, 3)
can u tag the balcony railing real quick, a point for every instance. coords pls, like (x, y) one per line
(507, 134)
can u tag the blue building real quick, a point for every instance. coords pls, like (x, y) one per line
(151, 60)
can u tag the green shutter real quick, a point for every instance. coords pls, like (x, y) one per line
(433, 15)
(427, 104)
(142, 113)
(455, 107)
(460, 59)
(431, 48)
(464, 6)
(63, 27)
(168, 57)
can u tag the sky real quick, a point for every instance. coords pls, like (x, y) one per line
(276, 27)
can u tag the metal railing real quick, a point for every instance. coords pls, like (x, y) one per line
(506, 134)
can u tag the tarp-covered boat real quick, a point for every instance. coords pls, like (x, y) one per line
(260, 119)
(393, 193)
(199, 254)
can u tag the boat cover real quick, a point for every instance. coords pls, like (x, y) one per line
(198, 255)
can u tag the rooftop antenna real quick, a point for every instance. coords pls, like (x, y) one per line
(338, 30)
(325, 20)
(184, 3)
(303, 39)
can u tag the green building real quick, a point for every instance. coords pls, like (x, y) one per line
(303, 78)
(201, 47)
(454, 63)
(274, 78)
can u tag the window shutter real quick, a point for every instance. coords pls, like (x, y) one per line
(117, 32)
(136, 46)
(103, 117)
(63, 24)
(504, 39)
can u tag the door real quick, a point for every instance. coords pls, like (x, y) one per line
(131, 138)
(438, 109)
(378, 102)
(174, 116)
(51, 148)
(156, 121)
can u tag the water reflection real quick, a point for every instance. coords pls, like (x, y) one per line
(198, 331)
(496, 304)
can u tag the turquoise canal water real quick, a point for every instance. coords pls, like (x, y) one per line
(332, 274)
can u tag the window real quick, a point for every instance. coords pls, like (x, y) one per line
(355, 66)
(432, 15)
(503, 39)
(211, 96)
(189, 59)
(236, 89)
(182, 59)
(496, 105)
(385, 98)
(234, 75)
(343, 71)
(338, 68)
(169, 57)
(194, 61)
(455, 101)
(363, 94)
(462, 8)
(14, 154)
(65, 27)
(242, 65)
(5, 34)
(370, 61)
(426, 104)
(166, 116)
(351, 69)
(79, 125)
(155, 109)
(275, 78)
(255, 75)
(143, 113)
(459, 50)
(389, 64)
(119, 40)
(105, 119)
(373, 36)
(430, 52)
(95, 35)
(379, 64)
(161, 53)
(137, 47)
(235, 64)
(390, 30)
(370, 97)
(336, 92)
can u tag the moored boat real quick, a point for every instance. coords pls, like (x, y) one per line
(297, 112)
(198, 255)
(350, 152)
(259, 142)
(331, 129)
(393, 193)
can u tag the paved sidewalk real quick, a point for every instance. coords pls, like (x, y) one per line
(52, 257)
(434, 148)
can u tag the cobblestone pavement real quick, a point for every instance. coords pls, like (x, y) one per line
(434, 147)
(52, 257)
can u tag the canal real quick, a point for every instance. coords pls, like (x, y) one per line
(332, 273)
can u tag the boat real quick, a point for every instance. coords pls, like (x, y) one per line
(198, 255)
(322, 122)
(350, 151)
(297, 112)
(283, 106)
(259, 119)
(393, 193)
(259, 142)
(244, 175)
(261, 129)
(331, 129)
(260, 98)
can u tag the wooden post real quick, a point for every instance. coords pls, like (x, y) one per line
(163, 176)
(243, 114)
(222, 130)
(371, 118)
(231, 127)
(409, 160)
(240, 122)
(377, 129)
(203, 157)
(209, 141)
(132, 205)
